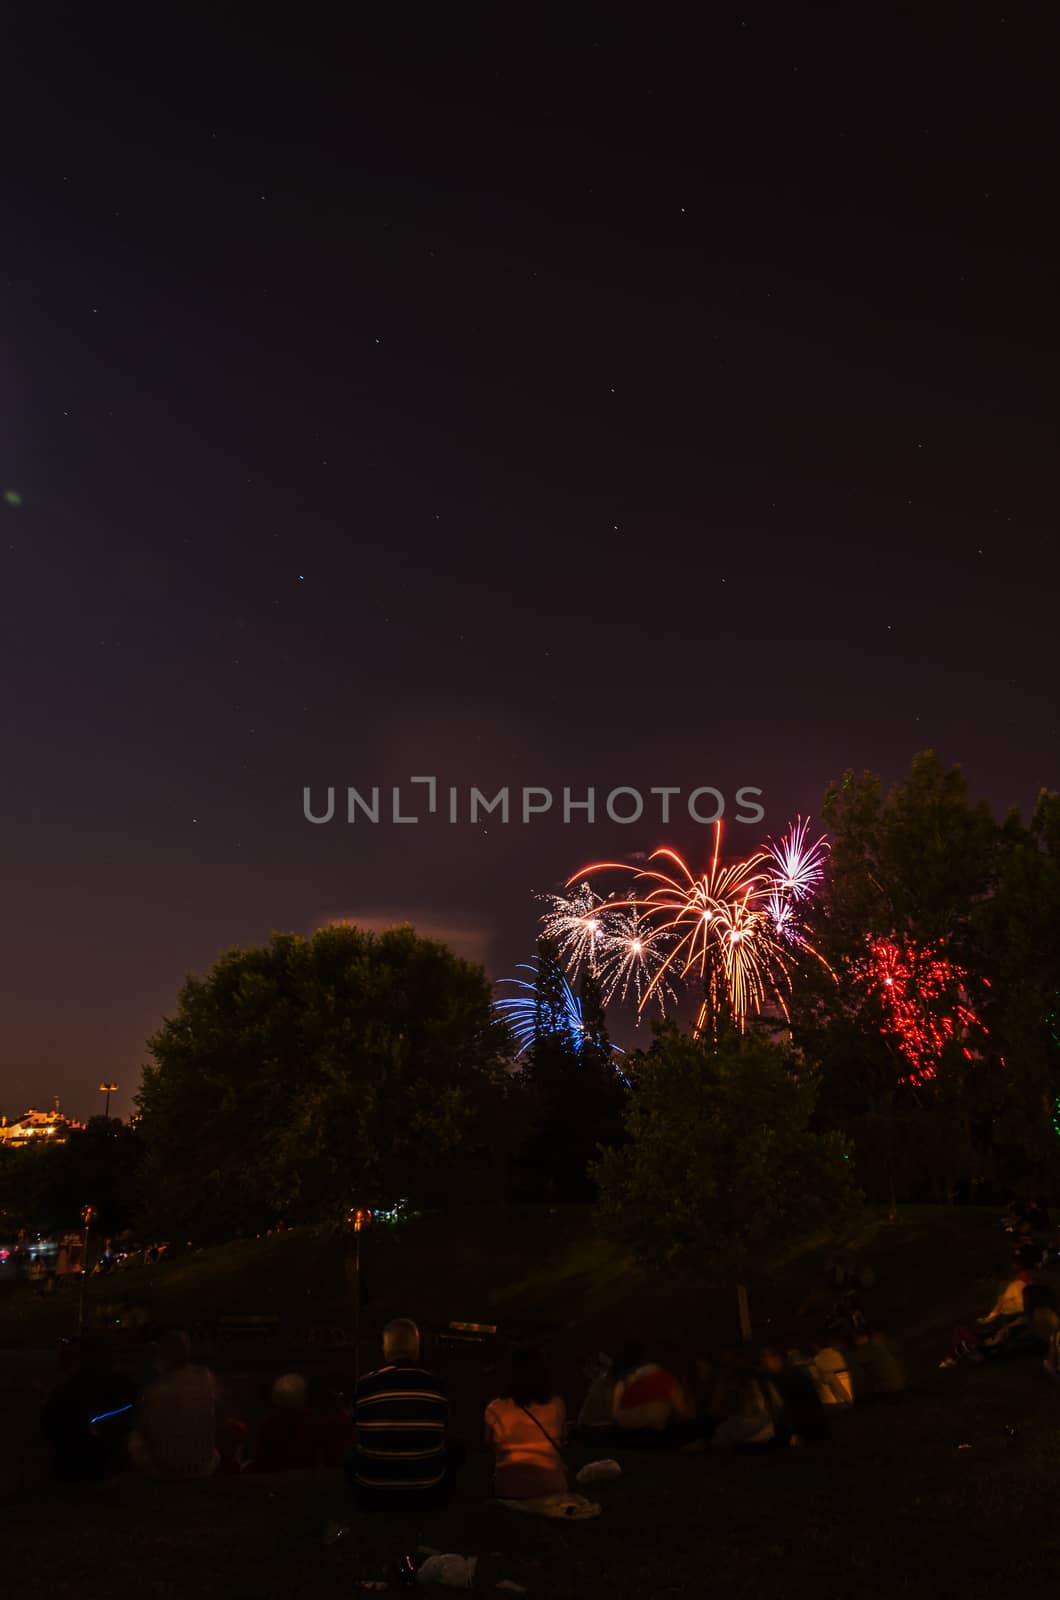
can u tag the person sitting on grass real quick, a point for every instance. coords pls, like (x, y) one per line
(527, 1425)
(877, 1370)
(330, 1424)
(649, 1406)
(87, 1417)
(231, 1439)
(1030, 1334)
(176, 1423)
(749, 1409)
(803, 1414)
(831, 1371)
(980, 1342)
(597, 1409)
(401, 1453)
(284, 1441)
(1009, 1302)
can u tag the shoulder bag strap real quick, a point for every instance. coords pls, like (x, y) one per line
(542, 1429)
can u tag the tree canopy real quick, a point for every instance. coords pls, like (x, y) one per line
(306, 1075)
(722, 1168)
(966, 911)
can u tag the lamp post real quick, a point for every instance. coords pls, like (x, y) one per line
(358, 1220)
(108, 1089)
(86, 1217)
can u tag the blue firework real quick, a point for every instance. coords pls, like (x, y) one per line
(521, 1011)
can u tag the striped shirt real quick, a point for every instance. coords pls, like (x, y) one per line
(400, 1417)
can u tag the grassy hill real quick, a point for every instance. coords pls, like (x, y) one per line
(539, 1269)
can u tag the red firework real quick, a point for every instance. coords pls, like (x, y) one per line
(925, 1000)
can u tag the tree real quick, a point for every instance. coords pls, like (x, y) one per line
(970, 911)
(721, 1169)
(914, 862)
(308, 1074)
(46, 1184)
(579, 1095)
(909, 874)
(1018, 930)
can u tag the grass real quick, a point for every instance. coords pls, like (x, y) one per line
(528, 1267)
(895, 1506)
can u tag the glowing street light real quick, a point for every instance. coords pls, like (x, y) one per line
(357, 1221)
(108, 1089)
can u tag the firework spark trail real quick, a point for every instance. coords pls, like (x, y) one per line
(782, 916)
(521, 1012)
(755, 968)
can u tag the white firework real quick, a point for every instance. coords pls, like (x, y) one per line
(575, 925)
(631, 958)
(797, 866)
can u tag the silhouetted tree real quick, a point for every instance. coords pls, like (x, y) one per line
(722, 1170)
(303, 1076)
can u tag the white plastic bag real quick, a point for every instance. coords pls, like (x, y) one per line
(455, 1572)
(599, 1471)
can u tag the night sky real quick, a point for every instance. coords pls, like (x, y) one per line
(508, 399)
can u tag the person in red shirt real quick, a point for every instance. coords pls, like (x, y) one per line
(330, 1425)
(285, 1443)
(649, 1405)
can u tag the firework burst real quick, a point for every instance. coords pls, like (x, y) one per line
(713, 927)
(797, 864)
(796, 871)
(925, 1001)
(522, 1012)
(631, 957)
(576, 926)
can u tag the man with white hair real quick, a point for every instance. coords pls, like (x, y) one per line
(176, 1422)
(401, 1415)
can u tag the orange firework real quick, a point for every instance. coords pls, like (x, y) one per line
(714, 926)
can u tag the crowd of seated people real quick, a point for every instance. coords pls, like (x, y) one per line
(394, 1440)
(183, 1423)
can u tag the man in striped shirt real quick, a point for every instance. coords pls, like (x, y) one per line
(401, 1414)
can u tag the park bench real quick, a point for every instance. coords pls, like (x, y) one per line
(469, 1338)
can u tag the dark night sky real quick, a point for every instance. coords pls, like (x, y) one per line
(504, 398)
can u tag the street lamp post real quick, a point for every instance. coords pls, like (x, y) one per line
(86, 1217)
(108, 1089)
(358, 1221)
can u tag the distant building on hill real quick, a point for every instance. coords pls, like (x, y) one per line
(38, 1125)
